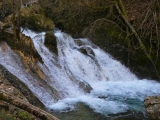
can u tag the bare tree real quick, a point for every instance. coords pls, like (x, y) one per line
(16, 6)
(122, 12)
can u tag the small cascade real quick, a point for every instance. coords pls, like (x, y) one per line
(12, 62)
(81, 73)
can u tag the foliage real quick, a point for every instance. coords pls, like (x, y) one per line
(23, 115)
(34, 18)
(73, 16)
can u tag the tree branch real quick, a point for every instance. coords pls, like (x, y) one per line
(26, 106)
(116, 2)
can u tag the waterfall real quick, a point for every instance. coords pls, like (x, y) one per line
(81, 73)
(12, 62)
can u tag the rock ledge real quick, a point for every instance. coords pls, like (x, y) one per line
(152, 105)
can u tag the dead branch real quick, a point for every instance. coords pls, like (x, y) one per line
(26, 106)
(123, 16)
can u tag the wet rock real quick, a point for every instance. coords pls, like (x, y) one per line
(51, 42)
(79, 42)
(81, 84)
(85, 86)
(87, 51)
(152, 105)
(84, 42)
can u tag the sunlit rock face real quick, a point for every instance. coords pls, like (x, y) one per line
(152, 104)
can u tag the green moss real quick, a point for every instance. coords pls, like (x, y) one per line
(23, 115)
(6, 116)
(34, 18)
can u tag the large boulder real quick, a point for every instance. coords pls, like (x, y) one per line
(51, 42)
(152, 105)
(86, 51)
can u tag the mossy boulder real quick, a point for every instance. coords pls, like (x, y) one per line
(51, 42)
(87, 51)
(34, 18)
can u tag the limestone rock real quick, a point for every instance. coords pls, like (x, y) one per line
(152, 105)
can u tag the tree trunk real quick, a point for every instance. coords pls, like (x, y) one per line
(14, 21)
(26, 106)
(120, 9)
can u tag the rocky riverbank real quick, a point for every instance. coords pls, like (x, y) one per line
(11, 85)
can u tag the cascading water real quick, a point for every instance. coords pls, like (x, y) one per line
(82, 73)
(12, 62)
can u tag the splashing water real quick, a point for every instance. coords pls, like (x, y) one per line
(82, 73)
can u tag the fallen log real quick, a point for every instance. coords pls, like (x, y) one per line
(26, 106)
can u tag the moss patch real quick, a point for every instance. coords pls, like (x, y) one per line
(6, 116)
(14, 113)
(34, 18)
